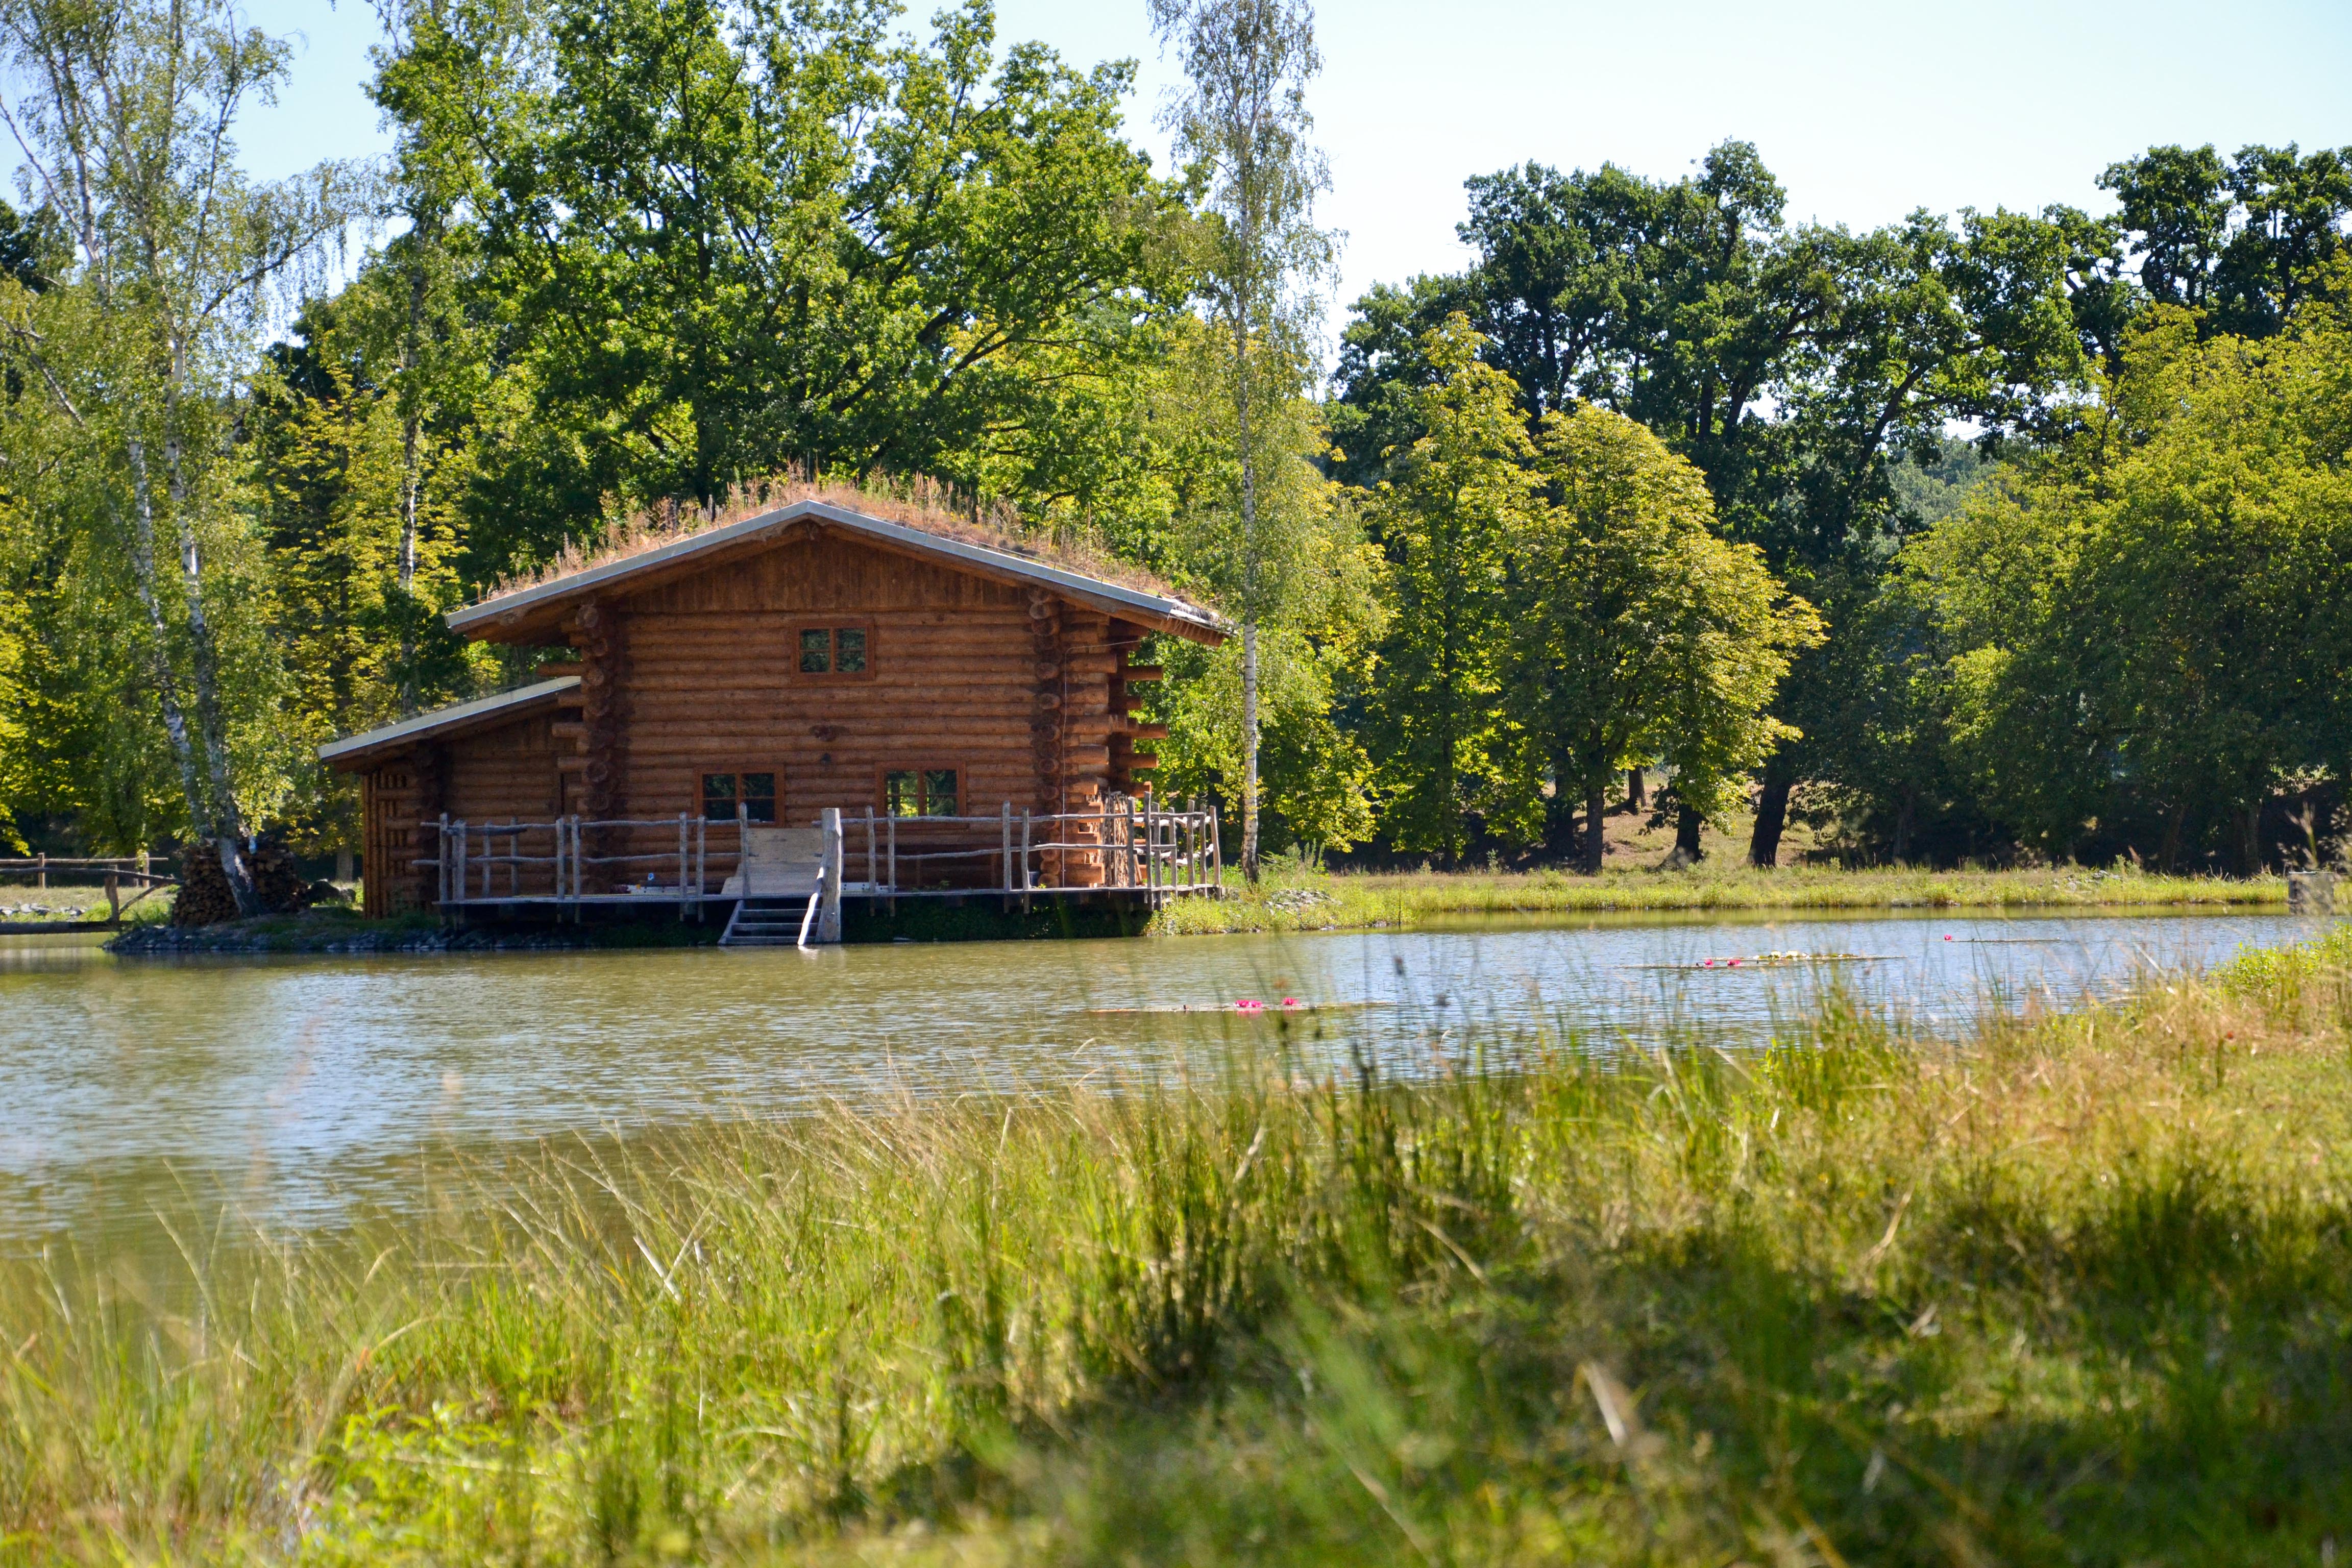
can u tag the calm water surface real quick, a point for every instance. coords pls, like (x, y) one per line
(290, 1087)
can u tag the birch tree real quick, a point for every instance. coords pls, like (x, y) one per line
(1241, 126)
(124, 113)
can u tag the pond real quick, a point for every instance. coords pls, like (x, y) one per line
(287, 1088)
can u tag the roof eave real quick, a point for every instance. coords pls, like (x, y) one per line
(457, 717)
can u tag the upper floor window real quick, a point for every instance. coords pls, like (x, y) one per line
(833, 651)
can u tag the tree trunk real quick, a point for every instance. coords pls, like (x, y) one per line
(2250, 840)
(1249, 750)
(1249, 593)
(1563, 827)
(1771, 817)
(1636, 790)
(1596, 841)
(1903, 819)
(1687, 823)
(167, 687)
(410, 481)
(343, 867)
(2167, 851)
(202, 757)
(225, 831)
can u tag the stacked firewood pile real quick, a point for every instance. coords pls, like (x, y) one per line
(205, 897)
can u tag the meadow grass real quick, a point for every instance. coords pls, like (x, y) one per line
(1292, 897)
(2075, 1287)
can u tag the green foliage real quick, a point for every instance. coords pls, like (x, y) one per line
(1316, 778)
(1632, 635)
(1446, 523)
(2241, 241)
(721, 241)
(2145, 626)
(358, 587)
(130, 316)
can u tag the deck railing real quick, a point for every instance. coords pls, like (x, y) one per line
(1129, 843)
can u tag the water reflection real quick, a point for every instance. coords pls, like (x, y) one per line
(300, 1082)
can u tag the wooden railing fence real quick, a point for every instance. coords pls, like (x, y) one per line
(111, 871)
(1129, 843)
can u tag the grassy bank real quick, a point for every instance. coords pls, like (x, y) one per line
(2072, 1289)
(1291, 900)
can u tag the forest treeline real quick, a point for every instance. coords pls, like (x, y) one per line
(1984, 535)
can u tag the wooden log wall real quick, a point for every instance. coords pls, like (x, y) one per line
(397, 798)
(1008, 684)
(506, 775)
(601, 741)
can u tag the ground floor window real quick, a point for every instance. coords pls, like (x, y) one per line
(755, 792)
(921, 792)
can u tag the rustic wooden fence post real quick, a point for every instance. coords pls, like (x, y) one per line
(828, 925)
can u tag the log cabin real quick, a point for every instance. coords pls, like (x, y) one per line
(939, 695)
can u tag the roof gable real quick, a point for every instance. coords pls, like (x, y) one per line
(536, 614)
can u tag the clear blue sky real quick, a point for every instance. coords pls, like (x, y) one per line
(1864, 111)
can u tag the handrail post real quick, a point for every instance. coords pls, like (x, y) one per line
(441, 862)
(872, 872)
(681, 867)
(1027, 881)
(1005, 852)
(893, 831)
(828, 925)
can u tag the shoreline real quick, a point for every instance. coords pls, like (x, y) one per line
(1414, 900)
(1314, 903)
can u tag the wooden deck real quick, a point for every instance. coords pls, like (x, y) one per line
(1132, 849)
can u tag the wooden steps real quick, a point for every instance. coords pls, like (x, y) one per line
(766, 922)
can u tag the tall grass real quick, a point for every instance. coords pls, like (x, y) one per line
(2078, 1288)
(1294, 899)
